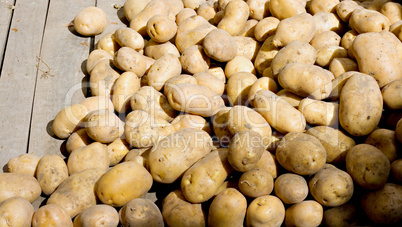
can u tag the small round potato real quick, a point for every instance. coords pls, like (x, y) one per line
(69, 120)
(161, 28)
(103, 126)
(141, 212)
(306, 213)
(291, 188)
(265, 211)
(98, 215)
(219, 45)
(25, 163)
(256, 182)
(385, 140)
(51, 215)
(19, 184)
(51, 172)
(127, 37)
(16, 211)
(78, 139)
(90, 21)
(94, 155)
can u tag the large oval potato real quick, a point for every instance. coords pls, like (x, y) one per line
(103, 126)
(97, 215)
(94, 155)
(124, 87)
(265, 211)
(90, 21)
(301, 27)
(291, 188)
(162, 70)
(19, 184)
(51, 172)
(16, 211)
(220, 45)
(25, 163)
(306, 213)
(51, 215)
(127, 37)
(209, 80)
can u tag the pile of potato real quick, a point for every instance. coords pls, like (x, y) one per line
(255, 113)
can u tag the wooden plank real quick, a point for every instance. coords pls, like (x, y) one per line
(59, 83)
(18, 76)
(6, 10)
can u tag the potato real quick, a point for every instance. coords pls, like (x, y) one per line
(25, 163)
(135, 152)
(219, 45)
(19, 184)
(78, 139)
(344, 9)
(133, 7)
(368, 166)
(227, 209)
(97, 215)
(69, 120)
(341, 65)
(51, 215)
(396, 170)
(207, 9)
(103, 126)
(156, 50)
(98, 103)
(256, 182)
(95, 57)
(194, 60)
(326, 54)
(177, 211)
(247, 47)
(326, 38)
(338, 83)
(220, 125)
(300, 27)
(195, 99)
(127, 37)
(347, 41)
(242, 118)
(218, 72)
(279, 114)
(335, 142)
(394, 40)
(398, 131)
(306, 80)
(130, 60)
(94, 155)
(201, 181)
(208, 80)
(360, 105)
(319, 112)
(163, 69)
(344, 215)
(141, 212)
(265, 28)
(317, 6)
(327, 22)
(384, 206)
(74, 197)
(263, 83)
(102, 78)
(291, 188)
(51, 172)
(181, 79)
(393, 11)
(248, 28)
(153, 102)
(301, 153)
(295, 51)
(392, 95)
(238, 87)
(16, 211)
(268, 162)
(235, 17)
(161, 28)
(265, 211)
(143, 130)
(108, 43)
(286, 9)
(90, 21)
(191, 121)
(365, 20)
(396, 29)
(291, 98)
(117, 150)
(245, 149)
(174, 154)
(385, 140)
(306, 213)
(124, 87)
(259, 9)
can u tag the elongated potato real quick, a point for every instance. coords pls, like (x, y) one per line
(290, 97)
(19, 184)
(25, 163)
(127, 37)
(319, 112)
(98, 103)
(163, 69)
(102, 78)
(238, 86)
(265, 211)
(201, 181)
(124, 87)
(365, 20)
(235, 17)
(285, 9)
(94, 155)
(130, 60)
(209, 80)
(191, 121)
(51, 172)
(219, 45)
(194, 60)
(53, 215)
(300, 27)
(181, 79)
(117, 150)
(69, 120)
(16, 211)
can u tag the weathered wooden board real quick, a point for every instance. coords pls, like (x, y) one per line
(6, 12)
(18, 76)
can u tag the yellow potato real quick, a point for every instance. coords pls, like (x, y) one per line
(51, 172)
(141, 212)
(25, 163)
(338, 66)
(265, 55)
(319, 112)
(184, 14)
(263, 83)
(133, 7)
(208, 80)
(108, 43)
(98, 215)
(194, 60)
(343, 215)
(291, 98)
(256, 182)
(95, 57)
(338, 83)
(130, 60)
(393, 11)
(235, 17)
(161, 28)
(220, 125)
(19, 184)
(69, 120)
(247, 47)
(396, 29)
(156, 50)
(103, 126)
(326, 54)
(191, 121)
(265, 28)
(327, 6)
(207, 9)
(306, 213)
(396, 170)
(219, 45)
(163, 69)
(344, 9)
(385, 140)
(248, 28)
(94, 155)
(259, 9)
(326, 38)
(286, 9)
(127, 37)
(102, 78)
(117, 150)
(265, 211)
(291, 188)
(347, 41)
(98, 103)
(391, 94)
(16, 211)
(124, 87)
(327, 22)
(269, 163)
(181, 79)
(365, 20)
(51, 215)
(90, 21)
(238, 87)
(77, 139)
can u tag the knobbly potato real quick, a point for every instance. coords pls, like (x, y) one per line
(383, 206)
(391, 94)
(393, 11)
(317, 6)
(259, 9)
(98, 215)
(25, 163)
(368, 166)
(95, 57)
(360, 105)
(344, 9)
(265, 211)
(256, 182)
(16, 211)
(94, 155)
(194, 60)
(235, 17)
(247, 46)
(161, 28)
(201, 181)
(219, 45)
(228, 200)
(265, 28)
(245, 149)
(117, 150)
(279, 114)
(327, 22)
(51, 172)
(291, 98)
(291, 188)
(385, 140)
(319, 112)
(295, 51)
(177, 211)
(195, 99)
(73, 197)
(130, 60)
(153, 102)
(327, 38)
(263, 83)
(208, 80)
(69, 120)
(326, 54)
(127, 37)
(90, 21)
(103, 126)
(77, 139)
(108, 43)
(301, 153)
(306, 213)
(365, 20)
(335, 142)
(19, 184)
(306, 80)
(342, 65)
(238, 87)
(124, 87)
(163, 69)
(191, 121)
(331, 186)
(141, 212)
(181, 79)
(98, 103)
(51, 215)
(174, 154)
(248, 28)
(286, 9)
(133, 7)
(220, 125)
(156, 50)
(300, 27)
